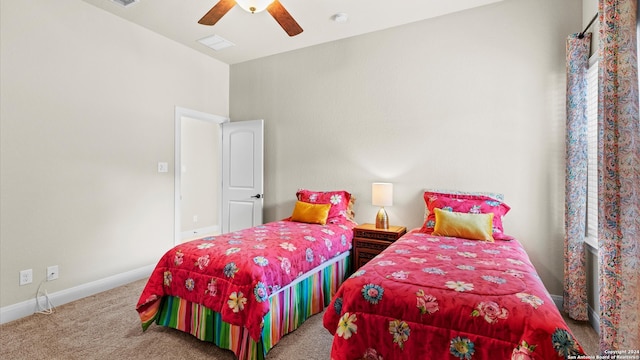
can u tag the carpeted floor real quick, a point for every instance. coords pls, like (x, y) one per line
(106, 326)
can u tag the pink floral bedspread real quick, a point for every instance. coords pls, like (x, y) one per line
(234, 274)
(432, 297)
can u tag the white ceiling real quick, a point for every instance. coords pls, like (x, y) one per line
(259, 35)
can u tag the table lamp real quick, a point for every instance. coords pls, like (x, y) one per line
(382, 195)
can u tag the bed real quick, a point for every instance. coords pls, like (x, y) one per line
(457, 288)
(245, 290)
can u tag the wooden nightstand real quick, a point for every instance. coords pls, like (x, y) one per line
(369, 242)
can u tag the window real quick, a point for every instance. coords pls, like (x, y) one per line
(591, 236)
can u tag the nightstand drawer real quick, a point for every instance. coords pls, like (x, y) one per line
(367, 249)
(377, 246)
(375, 235)
(368, 241)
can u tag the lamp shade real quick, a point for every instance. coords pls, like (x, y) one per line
(254, 6)
(382, 194)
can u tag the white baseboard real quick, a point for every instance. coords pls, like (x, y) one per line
(29, 307)
(594, 320)
(559, 301)
(201, 232)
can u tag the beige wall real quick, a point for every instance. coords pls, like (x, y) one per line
(470, 101)
(589, 9)
(87, 112)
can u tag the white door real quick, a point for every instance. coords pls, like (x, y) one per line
(242, 166)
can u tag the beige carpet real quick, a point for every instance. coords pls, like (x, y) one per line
(106, 326)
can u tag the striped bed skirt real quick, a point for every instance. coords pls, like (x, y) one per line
(289, 308)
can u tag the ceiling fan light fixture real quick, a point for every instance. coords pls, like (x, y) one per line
(254, 6)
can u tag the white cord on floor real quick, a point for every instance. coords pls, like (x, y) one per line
(48, 308)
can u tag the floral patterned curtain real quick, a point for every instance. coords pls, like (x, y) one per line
(619, 177)
(575, 279)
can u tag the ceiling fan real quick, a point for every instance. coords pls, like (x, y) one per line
(274, 7)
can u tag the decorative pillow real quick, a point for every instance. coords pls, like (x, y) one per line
(341, 203)
(472, 204)
(463, 225)
(310, 213)
(497, 196)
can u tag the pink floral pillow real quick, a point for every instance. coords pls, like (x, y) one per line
(472, 204)
(341, 203)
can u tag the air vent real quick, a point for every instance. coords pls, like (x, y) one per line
(216, 42)
(126, 3)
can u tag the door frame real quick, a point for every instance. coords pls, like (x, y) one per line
(181, 112)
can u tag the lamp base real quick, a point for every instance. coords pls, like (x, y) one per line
(382, 220)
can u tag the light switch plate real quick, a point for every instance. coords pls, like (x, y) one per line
(163, 167)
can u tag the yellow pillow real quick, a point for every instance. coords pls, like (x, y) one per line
(468, 226)
(310, 213)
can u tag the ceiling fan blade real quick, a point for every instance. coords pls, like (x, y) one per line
(217, 12)
(283, 18)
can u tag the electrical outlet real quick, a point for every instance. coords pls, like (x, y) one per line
(195, 218)
(163, 167)
(26, 277)
(52, 272)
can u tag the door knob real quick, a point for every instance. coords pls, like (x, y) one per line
(257, 196)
